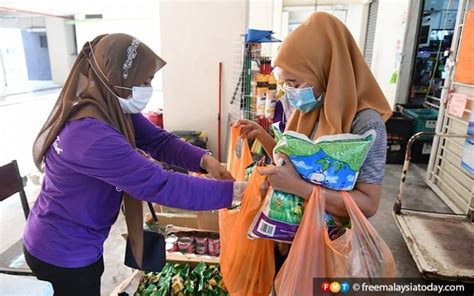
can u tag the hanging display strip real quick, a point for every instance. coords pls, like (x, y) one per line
(447, 174)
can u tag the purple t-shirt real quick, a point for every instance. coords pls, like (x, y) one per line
(86, 169)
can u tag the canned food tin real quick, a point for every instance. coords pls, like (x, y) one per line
(186, 245)
(170, 247)
(201, 245)
(173, 241)
(214, 246)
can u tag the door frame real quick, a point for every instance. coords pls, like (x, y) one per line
(405, 75)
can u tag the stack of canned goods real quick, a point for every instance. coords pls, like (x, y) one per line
(199, 244)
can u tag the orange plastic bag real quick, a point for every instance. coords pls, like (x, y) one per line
(359, 253)
(247, 266)
(235, 165)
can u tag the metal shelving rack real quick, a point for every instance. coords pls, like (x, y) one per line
(245, 65)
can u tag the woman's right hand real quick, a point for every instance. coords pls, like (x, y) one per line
(250, 129)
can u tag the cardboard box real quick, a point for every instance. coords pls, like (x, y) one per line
(208, 221)
(193, 260)
(130, 285)
(183, 220)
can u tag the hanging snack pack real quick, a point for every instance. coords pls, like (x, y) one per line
(331, 161)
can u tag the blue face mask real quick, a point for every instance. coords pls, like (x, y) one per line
(303, 98)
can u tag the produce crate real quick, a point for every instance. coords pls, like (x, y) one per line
(399, 130)
(425, 119)
(206, 220)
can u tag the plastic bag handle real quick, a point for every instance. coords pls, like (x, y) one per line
(355, 214)
(358, 220)
(235, 135)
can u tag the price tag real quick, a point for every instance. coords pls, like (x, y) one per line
(457, 104)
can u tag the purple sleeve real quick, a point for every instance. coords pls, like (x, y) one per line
(111, 159)
(280, 115)
(164, 146)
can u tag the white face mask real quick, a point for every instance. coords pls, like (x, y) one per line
(141, 95)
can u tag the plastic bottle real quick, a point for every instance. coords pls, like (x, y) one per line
(270, 101)
(262, 88)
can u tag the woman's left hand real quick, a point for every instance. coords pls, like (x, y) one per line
(285, 178)
(215, 169)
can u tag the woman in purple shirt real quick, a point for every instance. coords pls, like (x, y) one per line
(96, 151)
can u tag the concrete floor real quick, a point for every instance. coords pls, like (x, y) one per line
(418, 197)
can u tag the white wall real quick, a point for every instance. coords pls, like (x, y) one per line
(61, 48)
(3, 82)
(351, 15)
(388, 31)
(141, 21)
(261, 14)
(266, 15)
(13, 62)
(195, 37)
(355, 23)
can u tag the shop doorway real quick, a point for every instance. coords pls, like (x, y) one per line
(423, 69)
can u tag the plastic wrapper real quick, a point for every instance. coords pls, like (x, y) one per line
(279, 217)
(179, 279)
(331, 161)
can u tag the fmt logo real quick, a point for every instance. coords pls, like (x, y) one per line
(325, 286)
(335, 287)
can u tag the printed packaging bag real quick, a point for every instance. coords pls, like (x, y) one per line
(331, 161)
(279, 217)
